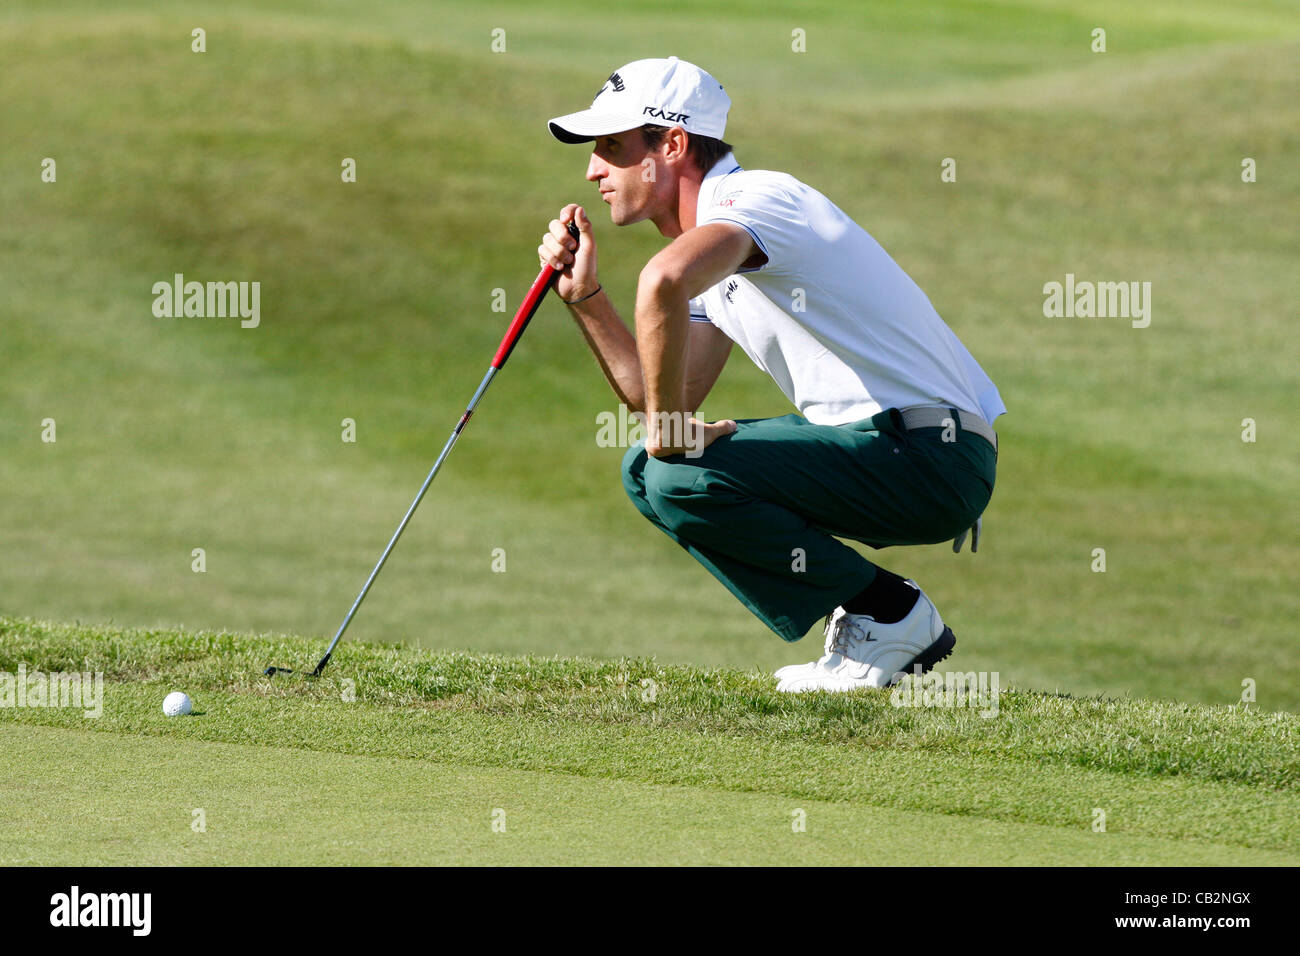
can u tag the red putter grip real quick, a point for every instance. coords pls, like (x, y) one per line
(528, 308)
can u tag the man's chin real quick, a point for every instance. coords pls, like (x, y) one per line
(621, 217)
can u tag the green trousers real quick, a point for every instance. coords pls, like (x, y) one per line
(762, 508)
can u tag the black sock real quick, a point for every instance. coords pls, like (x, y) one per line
(888, 598)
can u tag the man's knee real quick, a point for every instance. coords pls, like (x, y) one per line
(634, 462)
(670, 488)
(656, 487)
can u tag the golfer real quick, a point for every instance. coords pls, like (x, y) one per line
(893, 441)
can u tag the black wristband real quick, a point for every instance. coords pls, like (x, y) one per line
(584, 298)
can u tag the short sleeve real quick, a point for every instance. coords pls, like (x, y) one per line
(698, 312)
(769, 213)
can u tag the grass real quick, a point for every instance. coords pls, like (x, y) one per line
(180, 434)
(1178, 783)
(281, 806)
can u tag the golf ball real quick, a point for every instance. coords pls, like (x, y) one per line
(177, 704)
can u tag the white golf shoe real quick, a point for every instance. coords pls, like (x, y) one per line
(831, 629)
(860, 652)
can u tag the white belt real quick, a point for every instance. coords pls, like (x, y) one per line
(939, 416)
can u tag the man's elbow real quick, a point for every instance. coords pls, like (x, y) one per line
(660, 280)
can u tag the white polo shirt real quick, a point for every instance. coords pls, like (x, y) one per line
(839, 326)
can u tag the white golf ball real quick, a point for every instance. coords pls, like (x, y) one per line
(177, 704)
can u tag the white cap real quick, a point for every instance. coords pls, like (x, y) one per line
(667, 92)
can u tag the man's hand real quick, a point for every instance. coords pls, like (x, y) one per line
(664, 438)
(577, 272)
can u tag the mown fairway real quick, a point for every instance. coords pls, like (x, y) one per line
(177, 434)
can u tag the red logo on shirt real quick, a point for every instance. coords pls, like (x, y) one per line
(727, 202)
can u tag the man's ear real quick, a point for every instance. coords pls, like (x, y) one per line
(675, 146)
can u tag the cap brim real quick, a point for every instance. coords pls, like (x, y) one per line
(586, 125)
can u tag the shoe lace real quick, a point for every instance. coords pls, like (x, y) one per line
(832, 634)
(840, 635)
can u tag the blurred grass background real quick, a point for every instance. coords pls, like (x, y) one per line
(376, 305)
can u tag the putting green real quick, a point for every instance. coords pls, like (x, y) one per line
(126, 800)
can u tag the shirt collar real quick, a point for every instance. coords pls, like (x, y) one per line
(712, 180)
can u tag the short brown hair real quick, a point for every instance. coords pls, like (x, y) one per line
(704, 150)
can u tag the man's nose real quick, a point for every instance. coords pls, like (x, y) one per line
(596, 170)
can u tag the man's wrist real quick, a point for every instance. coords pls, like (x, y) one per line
(584, 298)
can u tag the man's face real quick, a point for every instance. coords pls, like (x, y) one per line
(628, 176)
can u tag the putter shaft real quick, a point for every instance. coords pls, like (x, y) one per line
(446, 450)
(527, 309)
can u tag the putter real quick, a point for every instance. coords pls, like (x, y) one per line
(527, 309)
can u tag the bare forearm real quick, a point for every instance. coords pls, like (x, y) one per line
(614, 347)
(662, 322)
(693, 262)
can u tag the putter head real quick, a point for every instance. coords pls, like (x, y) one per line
(272, 671)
